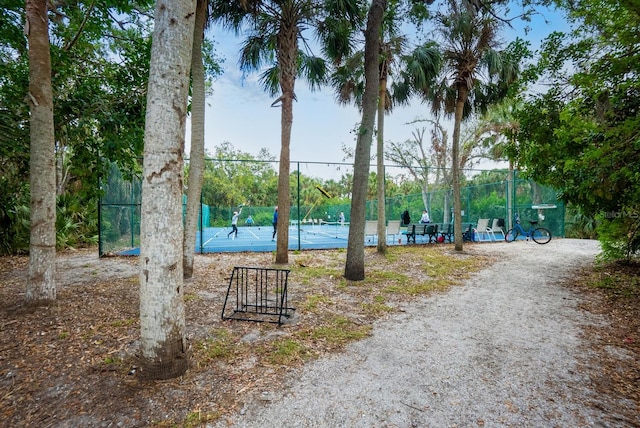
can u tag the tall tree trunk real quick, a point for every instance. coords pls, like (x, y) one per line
(354, 265)
(455, 170)
(162, 322)
(287, 56)
(41, 284)
(196, 157)
(382, 216)
(510, 193)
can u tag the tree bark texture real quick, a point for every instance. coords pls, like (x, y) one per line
(287, 49)
(354, 265)
(162, 320)
(455, 169)
(196, 156)
(41, 285)
(382, 216)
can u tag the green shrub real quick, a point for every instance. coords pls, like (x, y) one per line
(619, 236)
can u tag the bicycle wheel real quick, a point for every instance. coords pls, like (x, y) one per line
(541, 235)
(511, 235)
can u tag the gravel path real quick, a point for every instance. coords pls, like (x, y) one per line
(501, 350)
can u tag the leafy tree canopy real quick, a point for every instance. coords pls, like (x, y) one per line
(583, 134)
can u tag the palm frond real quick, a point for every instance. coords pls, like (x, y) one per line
(255, 51)
(313, 69)
(348, 80)
(230, 14)
(336, 38)
(270, 81)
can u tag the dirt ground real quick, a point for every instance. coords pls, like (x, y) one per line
(74, 363)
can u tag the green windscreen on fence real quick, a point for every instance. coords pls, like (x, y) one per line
(320, 194)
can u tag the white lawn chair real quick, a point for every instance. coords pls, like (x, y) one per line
(370, 229)
(497, 227)
(394, 227)
(483, 231)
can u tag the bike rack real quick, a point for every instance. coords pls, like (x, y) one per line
(260, 295)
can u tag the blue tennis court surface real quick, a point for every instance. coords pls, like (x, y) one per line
(259, 239)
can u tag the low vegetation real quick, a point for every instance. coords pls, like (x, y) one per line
(84, 347)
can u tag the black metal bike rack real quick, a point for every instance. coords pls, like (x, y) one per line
(260, 295)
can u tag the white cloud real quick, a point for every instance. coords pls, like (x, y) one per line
(240, 112)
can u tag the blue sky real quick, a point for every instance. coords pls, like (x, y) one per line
(239, 111)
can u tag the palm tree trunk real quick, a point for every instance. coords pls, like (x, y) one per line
(41, 284)
(287, 55)
(510, 189)
(196, 157)
(382, 227)
(354, 265)
(284, 192)
(455, 170)
(162, 318)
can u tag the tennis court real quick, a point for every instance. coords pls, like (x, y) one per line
(259, 238)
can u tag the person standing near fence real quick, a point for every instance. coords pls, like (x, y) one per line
(341, 219)
(275, 223)
(234, 224)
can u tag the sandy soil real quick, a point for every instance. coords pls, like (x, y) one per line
(505, 349)
(516, 344)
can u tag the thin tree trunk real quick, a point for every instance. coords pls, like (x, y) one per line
(510, 188)
(196, 157)
(382, 216)
(354, 266)
(162, 319)
(287, 55)
(455, 170)
(41, 284)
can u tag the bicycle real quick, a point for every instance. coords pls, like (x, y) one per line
(540, 235)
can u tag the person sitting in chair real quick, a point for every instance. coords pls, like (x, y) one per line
(425, 217)
(406, 218)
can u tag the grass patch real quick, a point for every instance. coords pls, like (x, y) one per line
(306, 273)
(284, 352)
(124, 323)
(441, 270)
(197, 418)
(191, 297)
(377, 307)
(112, 361)
(221, 347)
(314, 301)
(338, 332)
(384, 276)
(617, 280)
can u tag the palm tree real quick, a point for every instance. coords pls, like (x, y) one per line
(196, 157)
(469, 47)
(41, 285)
(390, 47)
(348, 80)
(498, 130)
(163, 345)
(354, 265)
(419, 70)
(275, 30)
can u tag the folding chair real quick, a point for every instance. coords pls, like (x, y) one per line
(371, 229)
(394, 227)
(483, 229)
(498, 227)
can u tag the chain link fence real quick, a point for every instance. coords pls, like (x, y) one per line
(320, 192)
